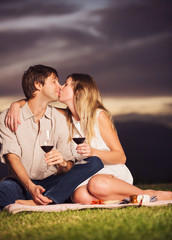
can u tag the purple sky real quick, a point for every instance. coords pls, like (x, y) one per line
(124, 44)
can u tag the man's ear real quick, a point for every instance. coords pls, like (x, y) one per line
(38, 85)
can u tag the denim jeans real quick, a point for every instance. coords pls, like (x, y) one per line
(58, 187)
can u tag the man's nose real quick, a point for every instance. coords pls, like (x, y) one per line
(59, 85)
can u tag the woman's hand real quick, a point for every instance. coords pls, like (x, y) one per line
(85, 150)
(55, 158)
(12, 118)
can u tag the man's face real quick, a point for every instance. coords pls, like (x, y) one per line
(51, 88)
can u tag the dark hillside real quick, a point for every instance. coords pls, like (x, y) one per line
(148, 147)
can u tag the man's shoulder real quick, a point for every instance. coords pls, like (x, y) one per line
(57, 113)
(59, 118)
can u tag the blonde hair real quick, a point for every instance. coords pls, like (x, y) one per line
(87, 100)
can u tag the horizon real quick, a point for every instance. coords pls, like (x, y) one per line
(157, 109)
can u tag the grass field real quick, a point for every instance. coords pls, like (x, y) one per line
(153, 223)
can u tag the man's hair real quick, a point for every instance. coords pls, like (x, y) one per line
(35, 74)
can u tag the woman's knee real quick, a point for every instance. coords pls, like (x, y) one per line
(101, 184)
(81, 195)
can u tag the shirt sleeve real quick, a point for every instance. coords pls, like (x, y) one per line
(8, 140)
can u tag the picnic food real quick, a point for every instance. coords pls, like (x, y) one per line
(97, 202)
(139, 198)
(133, 198)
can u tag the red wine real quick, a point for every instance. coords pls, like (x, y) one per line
(78, 140)
(47, 148)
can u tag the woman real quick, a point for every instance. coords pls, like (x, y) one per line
(86, 113)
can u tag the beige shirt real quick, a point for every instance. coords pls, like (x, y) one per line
(26, 145)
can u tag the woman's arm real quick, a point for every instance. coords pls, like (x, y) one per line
(116, 154)
(12, 118)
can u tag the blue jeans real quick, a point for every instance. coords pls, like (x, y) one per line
(58, 187)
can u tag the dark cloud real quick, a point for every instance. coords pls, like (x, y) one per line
(14, 9)
(143, 69)
(13, 43)
(126, 45)
(136, 19)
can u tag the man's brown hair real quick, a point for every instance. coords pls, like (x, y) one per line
(35, 74)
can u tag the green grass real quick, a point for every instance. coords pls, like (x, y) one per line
(153, 223)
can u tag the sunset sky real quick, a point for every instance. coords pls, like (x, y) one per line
(124, 44)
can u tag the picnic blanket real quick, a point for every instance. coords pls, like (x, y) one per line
(16, 208)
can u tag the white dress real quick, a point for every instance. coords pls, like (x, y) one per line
(117, 170)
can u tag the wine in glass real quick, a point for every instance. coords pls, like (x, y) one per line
(46, 140)
(46, 148)
(77, 137)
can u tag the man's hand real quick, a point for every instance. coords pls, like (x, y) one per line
(55, 158)
(36, 193)
(19, 171)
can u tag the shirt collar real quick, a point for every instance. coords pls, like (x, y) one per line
(48, 112)
(27, 113)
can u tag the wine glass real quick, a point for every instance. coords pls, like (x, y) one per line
(46, 141)
(77, 136)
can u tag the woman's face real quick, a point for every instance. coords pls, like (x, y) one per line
(66, 94)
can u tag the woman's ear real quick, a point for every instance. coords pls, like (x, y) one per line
(38, 85)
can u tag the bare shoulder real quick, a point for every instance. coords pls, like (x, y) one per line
(102, 113)
(105, 123)
(103, 117)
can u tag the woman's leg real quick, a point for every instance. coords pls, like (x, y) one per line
(81, 195)
(107, 187)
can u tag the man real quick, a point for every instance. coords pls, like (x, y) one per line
(30, 178)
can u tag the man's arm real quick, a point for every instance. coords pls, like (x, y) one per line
(10, 153)
(19, 171)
